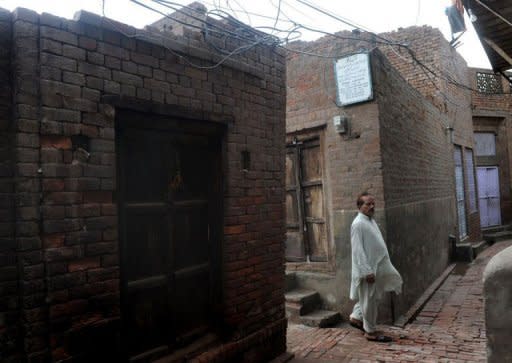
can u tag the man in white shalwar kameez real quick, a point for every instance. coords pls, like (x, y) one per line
(372, 271)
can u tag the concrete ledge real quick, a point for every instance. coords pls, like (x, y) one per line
(405, 319)
(482, 112)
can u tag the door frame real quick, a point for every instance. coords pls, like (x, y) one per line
(295, 143)
(134, 118)
(480, 196)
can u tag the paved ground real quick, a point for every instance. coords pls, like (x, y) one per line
(450, 328)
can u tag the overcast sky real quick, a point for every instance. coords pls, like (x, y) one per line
(374, 15)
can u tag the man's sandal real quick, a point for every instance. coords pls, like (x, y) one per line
(378, 338)
(358, 324)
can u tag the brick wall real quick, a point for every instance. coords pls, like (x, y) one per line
(352, 162)
(311, 102)
(397, 148)
(9, 304)
(417, 167)
(489, 101)
(449, 90)
(32, 270)
(67, 216)
(491, 113)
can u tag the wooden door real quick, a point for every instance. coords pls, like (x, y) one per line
(489, 196)
(295, 248)
(169, 192)
(306, 228)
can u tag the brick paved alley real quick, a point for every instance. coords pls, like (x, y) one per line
(450, 328)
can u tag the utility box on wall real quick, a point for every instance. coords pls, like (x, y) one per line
(340, 124)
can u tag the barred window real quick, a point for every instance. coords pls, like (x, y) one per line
(487, 82)
(470, 179)
(460, 193)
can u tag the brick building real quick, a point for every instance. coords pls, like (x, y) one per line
(451, 93)
(142, 193)
(410, 145)
(492, 110)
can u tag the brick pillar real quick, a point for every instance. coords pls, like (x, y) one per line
(31, 268)
(9, 304)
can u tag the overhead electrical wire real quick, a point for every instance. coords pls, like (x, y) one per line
(257, 38)
(172, 5)
(278, 12)
(153, 37)
(443, 75)
(341, 19)
(299, 11)
(243, 9)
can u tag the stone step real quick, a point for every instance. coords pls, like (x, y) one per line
(290, 281)
(302, 296)
(464, 252)
(497, 236)
(321, 318)
(500, 228)
(479, 247)
(300, 302)
(493, 229)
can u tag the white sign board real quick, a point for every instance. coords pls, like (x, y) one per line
(353, 79)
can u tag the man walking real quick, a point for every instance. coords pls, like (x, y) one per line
(372, 271)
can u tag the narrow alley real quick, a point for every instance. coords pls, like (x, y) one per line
(450, 328)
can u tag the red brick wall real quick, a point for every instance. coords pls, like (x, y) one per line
(448, 89)
(417, 167)
(9, 304)
(70, 269)
(34, 310)
(492, 113)
(311, 102)
(487, 101)
(397, 148)
(352, 162)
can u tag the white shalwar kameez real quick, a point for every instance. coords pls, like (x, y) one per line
(370, 256)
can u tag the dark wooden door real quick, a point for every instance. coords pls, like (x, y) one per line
(306, 237)
(169, 208)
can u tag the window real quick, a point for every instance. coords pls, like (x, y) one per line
(460, 193)
(485, 144)
(470, 179)
(488, 83)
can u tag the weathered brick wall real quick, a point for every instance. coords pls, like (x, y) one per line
(32, 271)
(448, 90)
(492, 113)
(70, 269)
(9, 304)
(352, 162)
(417, 167)
(311, 102)
(425, 43)
(397, 148)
